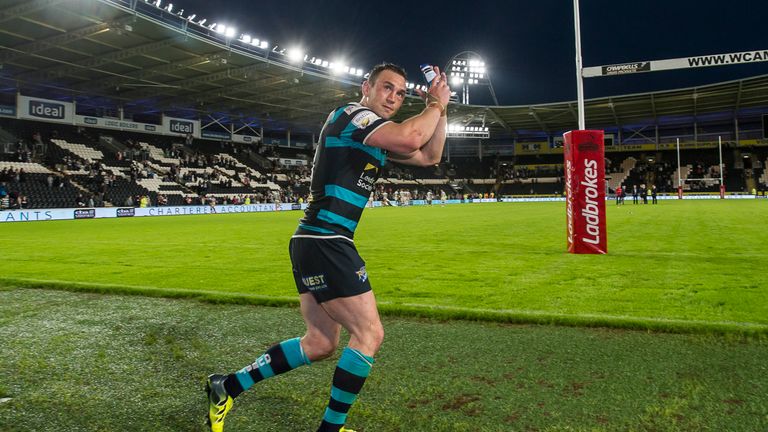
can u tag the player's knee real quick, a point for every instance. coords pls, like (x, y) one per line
(319, 347)
(375, 337)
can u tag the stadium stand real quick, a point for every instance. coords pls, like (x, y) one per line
(92, 165)
(97, 167)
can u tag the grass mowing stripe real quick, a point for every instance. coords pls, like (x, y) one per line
(148, 291)
(415, 310)
(91, 362)
(686, 261)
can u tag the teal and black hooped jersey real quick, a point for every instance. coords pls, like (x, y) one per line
(344, 173)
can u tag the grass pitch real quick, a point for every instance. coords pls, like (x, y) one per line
(88, 362)
(678, 266)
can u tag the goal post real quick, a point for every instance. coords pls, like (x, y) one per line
(719, 179)
(592, 140)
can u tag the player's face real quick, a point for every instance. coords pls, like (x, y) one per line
(386, 95)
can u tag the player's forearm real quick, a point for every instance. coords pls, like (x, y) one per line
(423, 125)
(433, 149)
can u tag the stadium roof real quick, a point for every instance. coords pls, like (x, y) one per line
(132, 54)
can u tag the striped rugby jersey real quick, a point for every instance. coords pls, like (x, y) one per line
(344, 172)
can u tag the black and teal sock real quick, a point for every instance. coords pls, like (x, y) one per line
(348, 379)
(280, 358)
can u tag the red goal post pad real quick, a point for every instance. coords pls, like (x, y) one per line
(584, 166)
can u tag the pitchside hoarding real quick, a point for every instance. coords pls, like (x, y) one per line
(585, 191)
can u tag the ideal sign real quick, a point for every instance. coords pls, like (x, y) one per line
(181, 127)
(44, 109)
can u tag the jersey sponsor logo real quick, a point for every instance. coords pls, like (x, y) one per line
(364, 119)
(362, 274)
(368, 177)
(315, 282)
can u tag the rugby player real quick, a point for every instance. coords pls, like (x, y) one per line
(331, 278)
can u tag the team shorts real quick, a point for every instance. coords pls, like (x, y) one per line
(328, 268)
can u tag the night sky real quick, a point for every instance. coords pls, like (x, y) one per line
(528, 45)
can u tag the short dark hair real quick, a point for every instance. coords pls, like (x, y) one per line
(376, 70)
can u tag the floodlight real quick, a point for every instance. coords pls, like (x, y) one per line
(359, 72)
(220, 28)
(246, 38)
(295, 55)
(325, 63)
(230, 32)
(191, 17)
(202, 21)
(456, 80)
(212, 26)
(170, 7)
(338, 66)
(157, 3)
(264, 44)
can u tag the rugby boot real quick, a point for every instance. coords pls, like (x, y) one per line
(219, 402)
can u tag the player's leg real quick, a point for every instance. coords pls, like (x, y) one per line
(321, 339)
(319, 342)
(360, 317)
(322, 336)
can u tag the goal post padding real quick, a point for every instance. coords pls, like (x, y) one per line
(584, 152)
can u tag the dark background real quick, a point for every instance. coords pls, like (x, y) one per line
(528, 45)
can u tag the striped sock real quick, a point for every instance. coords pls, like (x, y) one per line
(350, 375)
(280, 358)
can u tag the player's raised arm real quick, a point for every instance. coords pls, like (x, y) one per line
(406, 141)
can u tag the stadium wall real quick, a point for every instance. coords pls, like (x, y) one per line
(37, 215)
